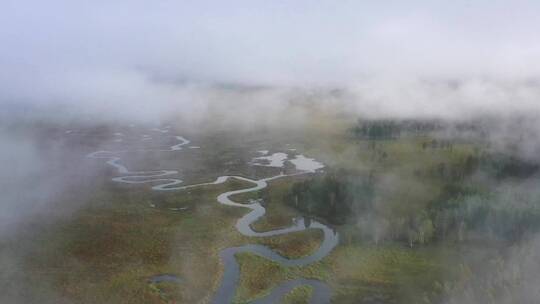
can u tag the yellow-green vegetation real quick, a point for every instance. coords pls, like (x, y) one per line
(299, 295)
(386, 272)
(339, 150)
(295, 245)
(355, 272)
(259, 275)
(109, 250)
(277, 215)
(106, 252)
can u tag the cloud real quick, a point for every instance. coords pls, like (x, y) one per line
(135, 52)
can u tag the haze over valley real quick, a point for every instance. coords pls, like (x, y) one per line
(269, 152)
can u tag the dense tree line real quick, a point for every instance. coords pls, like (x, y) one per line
(489, 215)
(451, 172)
(335, 196)
(507, 166)
(458, 213)
(377, 130)
(389, 129)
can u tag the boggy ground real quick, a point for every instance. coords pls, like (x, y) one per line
(106, 251)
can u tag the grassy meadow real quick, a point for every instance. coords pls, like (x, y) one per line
(106, 251)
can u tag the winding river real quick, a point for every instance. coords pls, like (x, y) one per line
(163, 181)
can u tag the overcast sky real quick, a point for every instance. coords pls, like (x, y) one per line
(100, 51)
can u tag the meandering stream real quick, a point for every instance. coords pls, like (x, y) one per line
(163, 181)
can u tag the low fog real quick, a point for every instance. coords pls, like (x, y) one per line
(209, 65)
(131, 59)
